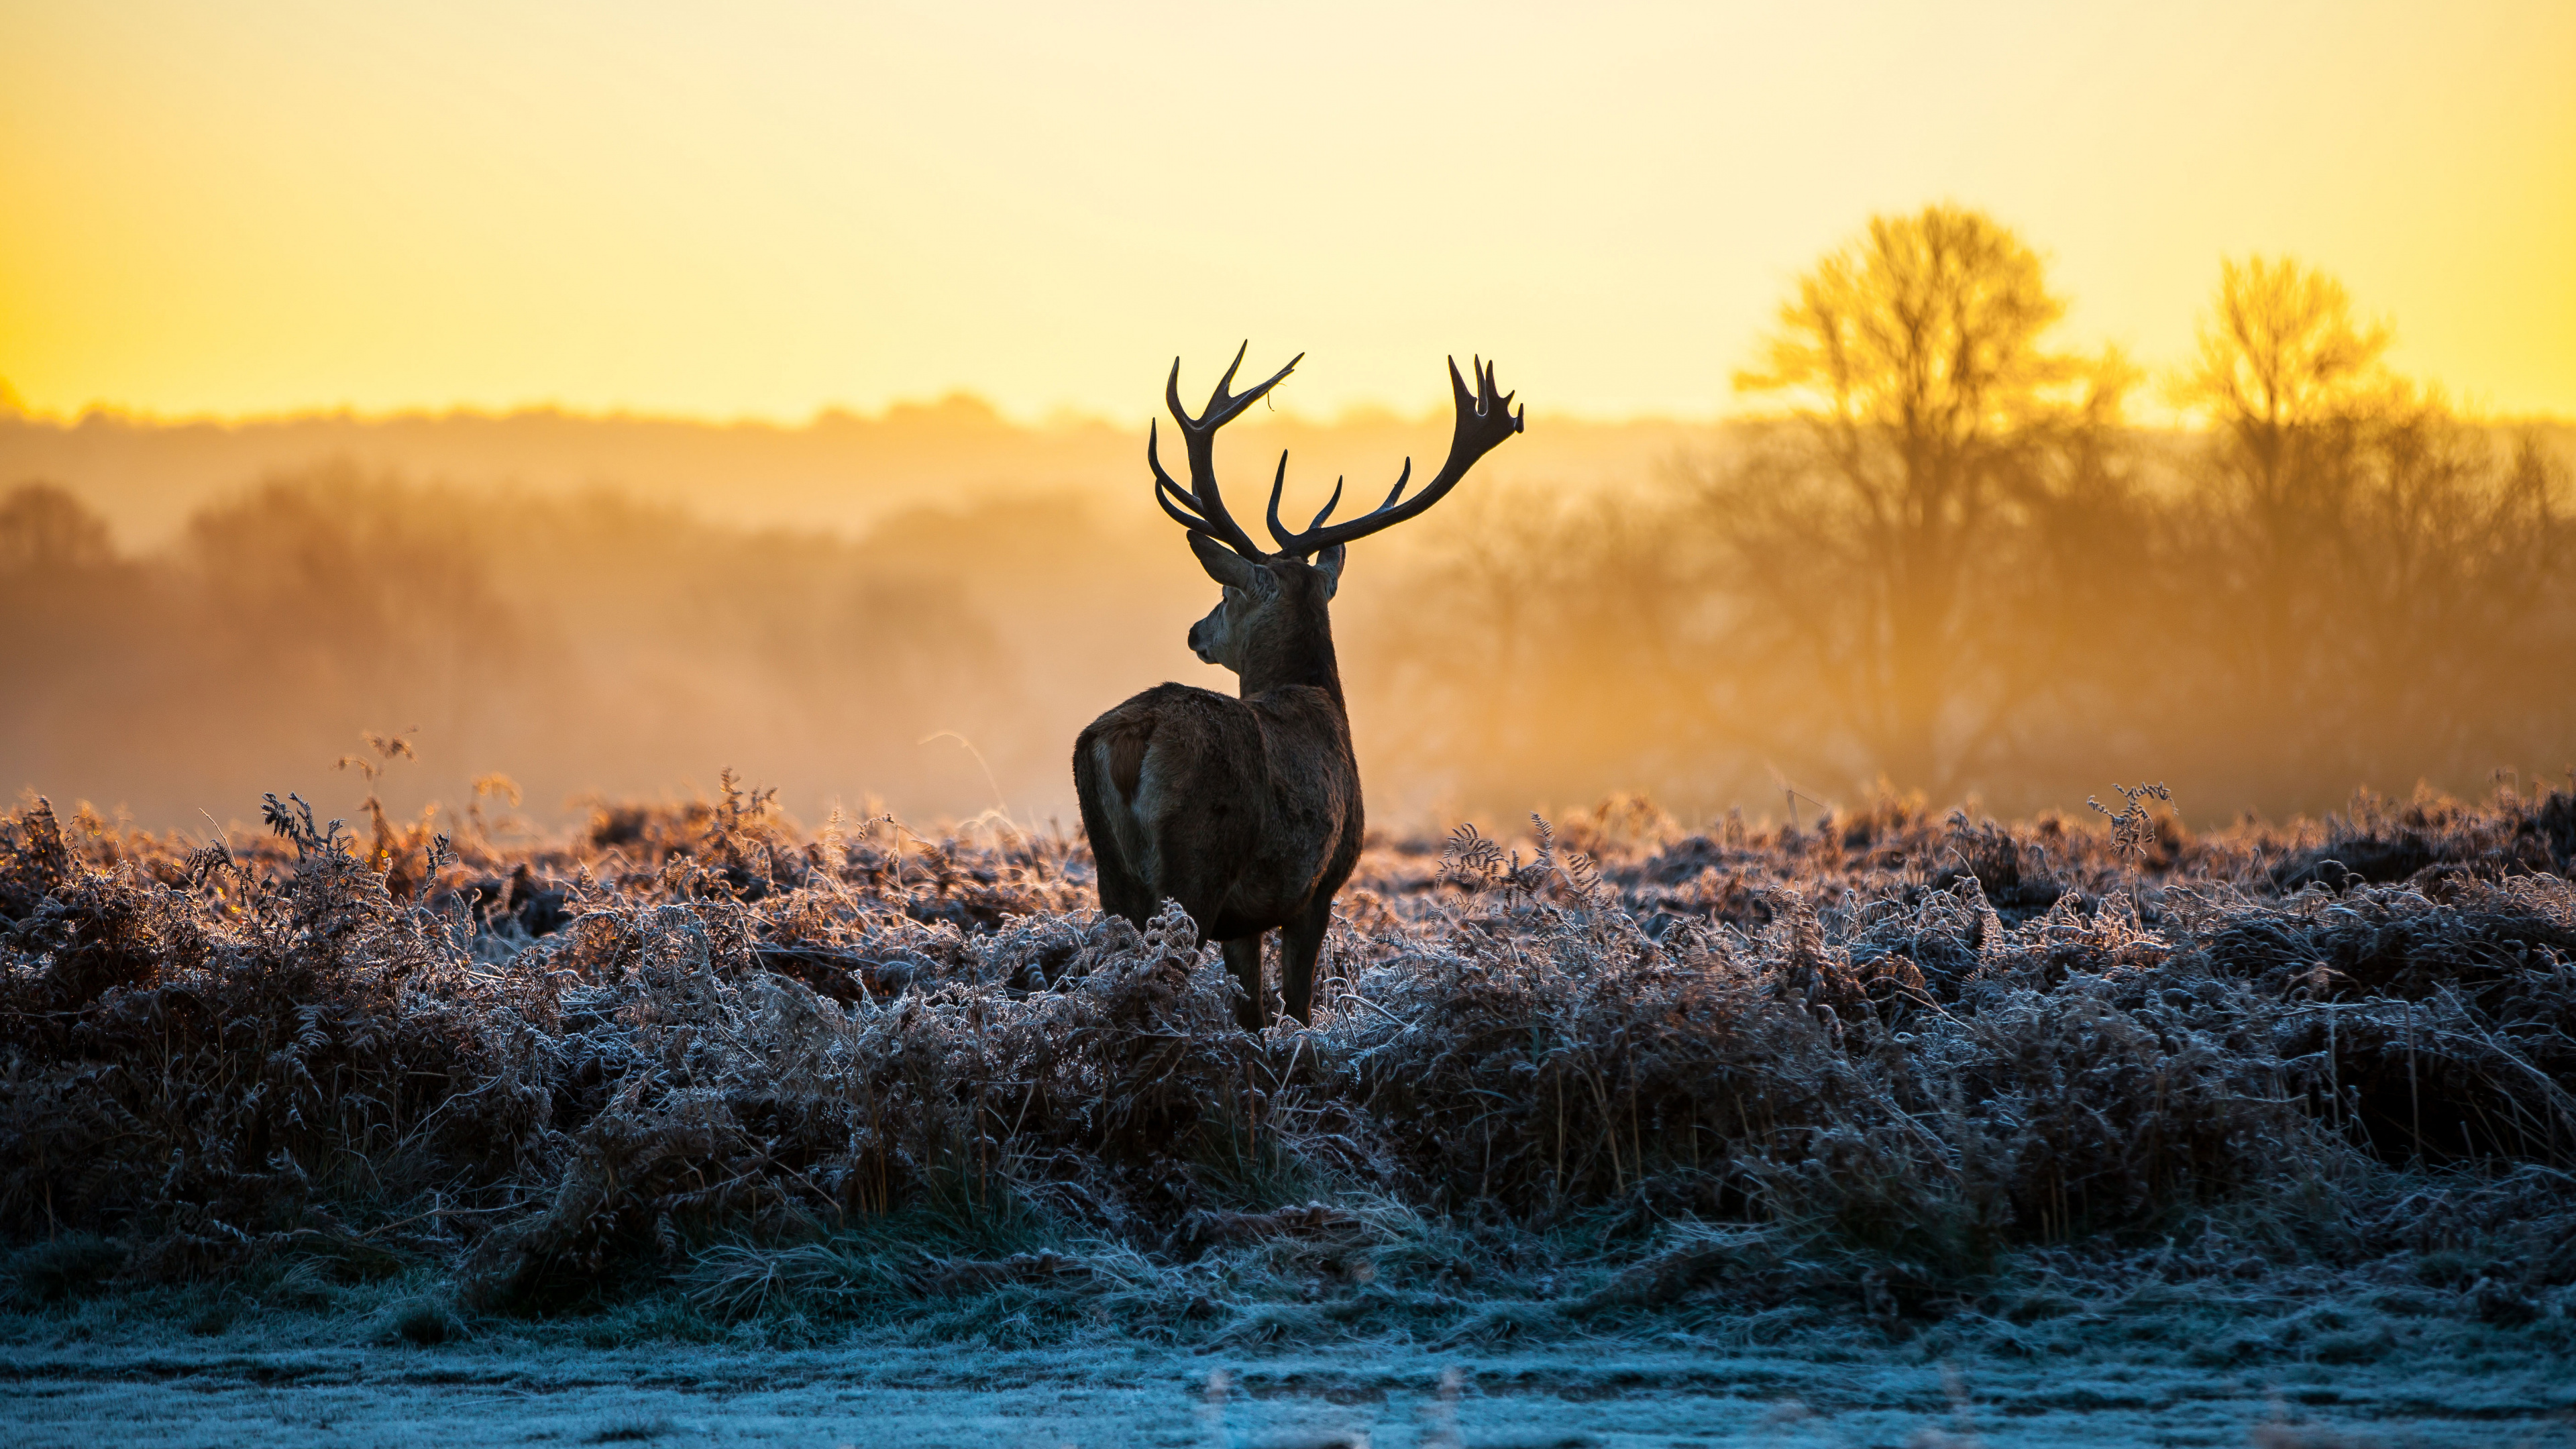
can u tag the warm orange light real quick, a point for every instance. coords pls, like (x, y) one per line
(762, 211)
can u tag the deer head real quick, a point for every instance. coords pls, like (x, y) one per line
(1270, 627)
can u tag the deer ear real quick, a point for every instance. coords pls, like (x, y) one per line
(1223, 564)
(1329, 564)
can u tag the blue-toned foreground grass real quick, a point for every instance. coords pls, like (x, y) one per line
(2268, 1112)
(287, 1381)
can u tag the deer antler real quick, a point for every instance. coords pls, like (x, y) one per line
(1201, 507)
(1485, 419)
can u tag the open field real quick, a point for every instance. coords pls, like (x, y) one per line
(517, 1389)
(1792, 1114)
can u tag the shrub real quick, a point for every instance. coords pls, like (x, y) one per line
(770, 1070)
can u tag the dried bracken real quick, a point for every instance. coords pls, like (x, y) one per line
(1860, 1058)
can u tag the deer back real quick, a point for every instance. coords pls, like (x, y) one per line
(1241, 809)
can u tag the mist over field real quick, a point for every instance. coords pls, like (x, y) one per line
(625, 607)
(917, 611)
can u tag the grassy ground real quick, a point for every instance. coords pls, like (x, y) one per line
(328, 1381)
(302, 1381)
(2261, 1114)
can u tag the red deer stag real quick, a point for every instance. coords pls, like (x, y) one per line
(1247, 811)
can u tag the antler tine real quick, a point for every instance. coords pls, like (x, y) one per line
(1327, 510)
(1201, 506)
(1172, 394)
(1485, 419)
(1278, 485)
(1227, 381)
(1221, 407)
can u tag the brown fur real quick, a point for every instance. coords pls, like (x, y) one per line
(1127, 754)
(1247, 811)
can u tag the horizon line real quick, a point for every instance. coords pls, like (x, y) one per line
(962, 404)
(970, 408)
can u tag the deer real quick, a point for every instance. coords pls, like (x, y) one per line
(1246, 810)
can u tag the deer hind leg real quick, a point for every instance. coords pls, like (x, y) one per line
(1104, 781)
(1123, 892)
(1301, 942)
(1243, 958)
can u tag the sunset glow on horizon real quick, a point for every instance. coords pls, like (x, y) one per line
(766, 212)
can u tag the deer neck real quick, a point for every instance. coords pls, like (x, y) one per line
(1301, 654)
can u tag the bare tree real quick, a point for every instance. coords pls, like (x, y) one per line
(1875, 538)
(44, 529)
(2366, 563)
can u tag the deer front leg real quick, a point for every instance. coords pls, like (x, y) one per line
(1243, 958)
(1301, 942)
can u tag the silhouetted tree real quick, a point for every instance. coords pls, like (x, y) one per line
(1880, 538)
(2367, 566)
(45, 530)
(2292, 387)
(78, 626)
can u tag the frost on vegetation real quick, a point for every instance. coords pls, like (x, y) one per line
(694, 1068)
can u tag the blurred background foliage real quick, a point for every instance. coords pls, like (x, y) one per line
(1945, 555)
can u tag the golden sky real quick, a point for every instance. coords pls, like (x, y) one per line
(763, 209)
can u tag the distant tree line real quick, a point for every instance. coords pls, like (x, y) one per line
(591, 644)
(1952, 563)
(1951, 559)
